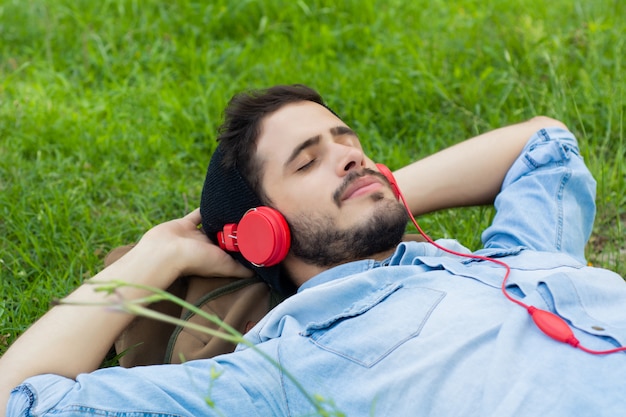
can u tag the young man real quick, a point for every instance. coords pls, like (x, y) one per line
(377, 327)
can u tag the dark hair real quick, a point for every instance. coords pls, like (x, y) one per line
(241, 128)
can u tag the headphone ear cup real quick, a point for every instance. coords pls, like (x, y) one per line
(263, 236)
(388, 174)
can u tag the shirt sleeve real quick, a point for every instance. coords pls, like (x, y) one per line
(202, 387)
(547, 199)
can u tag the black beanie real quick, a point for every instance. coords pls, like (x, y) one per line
(226, 197)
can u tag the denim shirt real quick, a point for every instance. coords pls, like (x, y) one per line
(421, 333)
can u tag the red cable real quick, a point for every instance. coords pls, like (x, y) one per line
(549, 323)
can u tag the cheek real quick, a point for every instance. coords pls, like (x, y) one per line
(302, 199)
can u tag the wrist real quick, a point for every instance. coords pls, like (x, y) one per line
(144, 264)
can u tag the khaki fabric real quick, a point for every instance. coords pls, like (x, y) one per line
(240, 303)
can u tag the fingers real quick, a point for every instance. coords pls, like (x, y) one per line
(232, 268)
(228, 266)
(216, 263)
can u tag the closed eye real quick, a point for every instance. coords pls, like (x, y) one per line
(306, 166)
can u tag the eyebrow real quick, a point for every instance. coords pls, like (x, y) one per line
(342, 130)
(312, 141)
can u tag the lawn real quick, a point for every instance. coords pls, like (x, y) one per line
(109, 109)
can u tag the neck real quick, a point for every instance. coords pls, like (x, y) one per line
(301, 271)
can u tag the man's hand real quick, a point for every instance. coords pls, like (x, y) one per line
(182, 249)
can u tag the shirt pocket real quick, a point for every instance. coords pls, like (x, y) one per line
(591, 300)
(363, 333)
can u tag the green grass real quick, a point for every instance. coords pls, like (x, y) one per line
(108, 109)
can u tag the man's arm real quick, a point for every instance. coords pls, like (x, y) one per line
(70, 339)
(468, 173)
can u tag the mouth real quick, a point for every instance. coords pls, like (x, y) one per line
(357, 185)
(361, 186)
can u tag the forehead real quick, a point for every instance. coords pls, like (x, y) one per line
(290, 125)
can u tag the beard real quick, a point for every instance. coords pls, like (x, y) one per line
(318, 241)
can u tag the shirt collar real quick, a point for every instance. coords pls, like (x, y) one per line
(341, 271)
(405, 253)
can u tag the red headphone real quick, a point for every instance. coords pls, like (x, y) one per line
(262, 235)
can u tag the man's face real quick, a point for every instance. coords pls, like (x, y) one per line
(315, 173)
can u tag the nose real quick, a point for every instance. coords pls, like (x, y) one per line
(350, 158)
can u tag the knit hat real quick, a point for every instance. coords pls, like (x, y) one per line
(226, 197)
